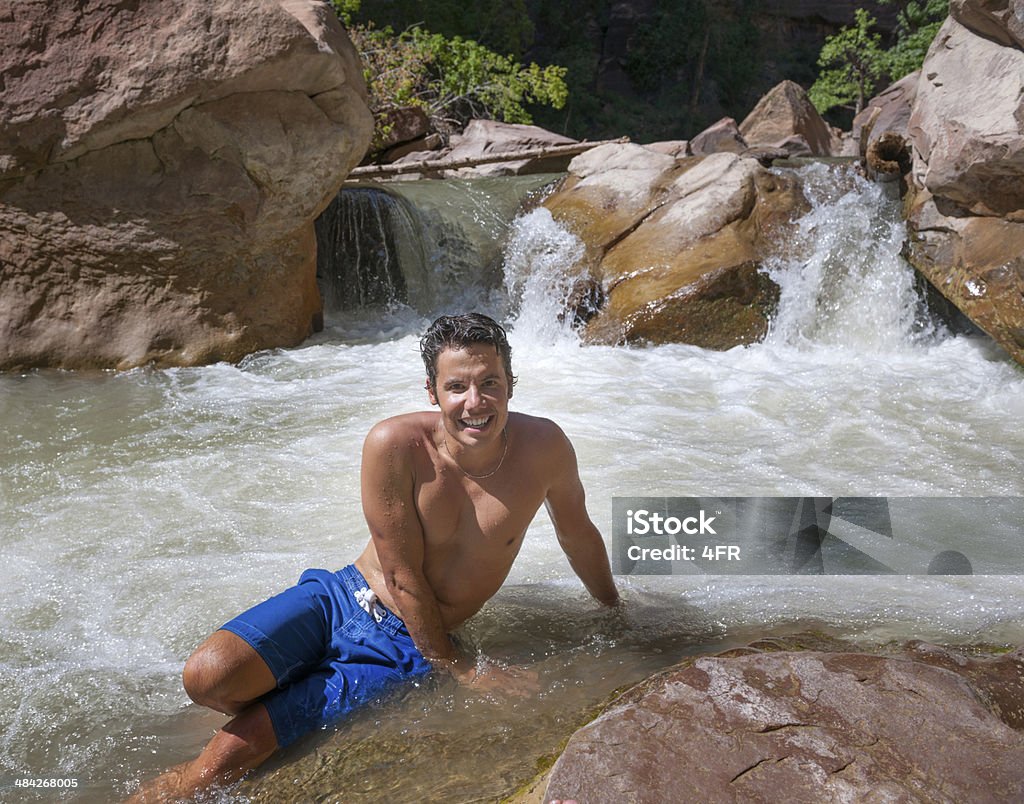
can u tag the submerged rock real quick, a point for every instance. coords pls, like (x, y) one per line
(676, 244)
(807, 726)
(161, 165)
(794, 718)
(966, 201)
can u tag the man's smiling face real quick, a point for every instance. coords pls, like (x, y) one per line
(472, 391)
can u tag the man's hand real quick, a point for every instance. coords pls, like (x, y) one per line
(519, 682)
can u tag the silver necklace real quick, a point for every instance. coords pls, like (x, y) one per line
(501, 460)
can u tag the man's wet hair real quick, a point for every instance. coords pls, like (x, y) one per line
(458, 332)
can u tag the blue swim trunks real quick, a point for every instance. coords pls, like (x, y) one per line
(330, 646)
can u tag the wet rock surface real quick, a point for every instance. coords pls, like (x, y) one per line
(676, 244)
(161, 166)
(927, 724)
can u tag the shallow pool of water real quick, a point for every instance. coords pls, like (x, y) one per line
(139, 511)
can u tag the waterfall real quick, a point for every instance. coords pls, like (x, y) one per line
(369, 249)
(139, 510)
(432, 247)
(843, 280)
(538, 277)
(428, 245)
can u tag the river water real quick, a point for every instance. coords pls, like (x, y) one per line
(140, 510)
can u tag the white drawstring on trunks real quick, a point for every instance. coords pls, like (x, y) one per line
(367, 600)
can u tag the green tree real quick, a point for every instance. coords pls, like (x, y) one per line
(852, 63)
(346, 10)
(916, 26)
(452, 80)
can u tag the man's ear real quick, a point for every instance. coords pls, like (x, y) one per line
(430, 392)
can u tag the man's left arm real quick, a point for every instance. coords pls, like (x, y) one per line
(578, 537)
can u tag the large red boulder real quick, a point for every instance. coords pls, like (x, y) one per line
(161, 165)
(807, 726)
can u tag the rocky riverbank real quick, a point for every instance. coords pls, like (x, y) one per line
(799, 718)
(157, 203)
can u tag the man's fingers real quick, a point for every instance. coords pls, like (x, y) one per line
(517, 681)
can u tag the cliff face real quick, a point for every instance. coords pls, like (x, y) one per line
(832, 12)
(662, 70)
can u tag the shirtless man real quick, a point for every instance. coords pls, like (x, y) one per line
(448, 496)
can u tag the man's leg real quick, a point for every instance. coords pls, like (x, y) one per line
(226, 674)
(245, 742)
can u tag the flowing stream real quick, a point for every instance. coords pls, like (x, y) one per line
(140, 510)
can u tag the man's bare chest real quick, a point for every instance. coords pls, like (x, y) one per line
(457, 513)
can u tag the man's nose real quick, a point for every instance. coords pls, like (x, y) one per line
(473, 397)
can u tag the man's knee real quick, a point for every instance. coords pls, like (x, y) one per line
(226, 674)
(204, 679)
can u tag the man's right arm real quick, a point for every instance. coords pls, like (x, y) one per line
(387, 485)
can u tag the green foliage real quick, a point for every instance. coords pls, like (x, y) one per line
(852, 63)
(916, 26)
(346, 10)
(451, 79)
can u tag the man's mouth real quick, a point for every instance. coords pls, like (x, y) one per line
(477, 423)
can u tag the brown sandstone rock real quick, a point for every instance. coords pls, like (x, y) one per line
(786, 115)
(609, 190)
(676, 148)
(820, 698)
(894, 104)
(483, 137)
(966, 205)
(160, 169)
(975, 262)
(1001, 20)
(721, 137)
(676, 245)
(802, 727)
(405, 131)
(971, 152)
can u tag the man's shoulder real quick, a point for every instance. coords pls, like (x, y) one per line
(406, 429)
(533, 425)
(544, 434)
